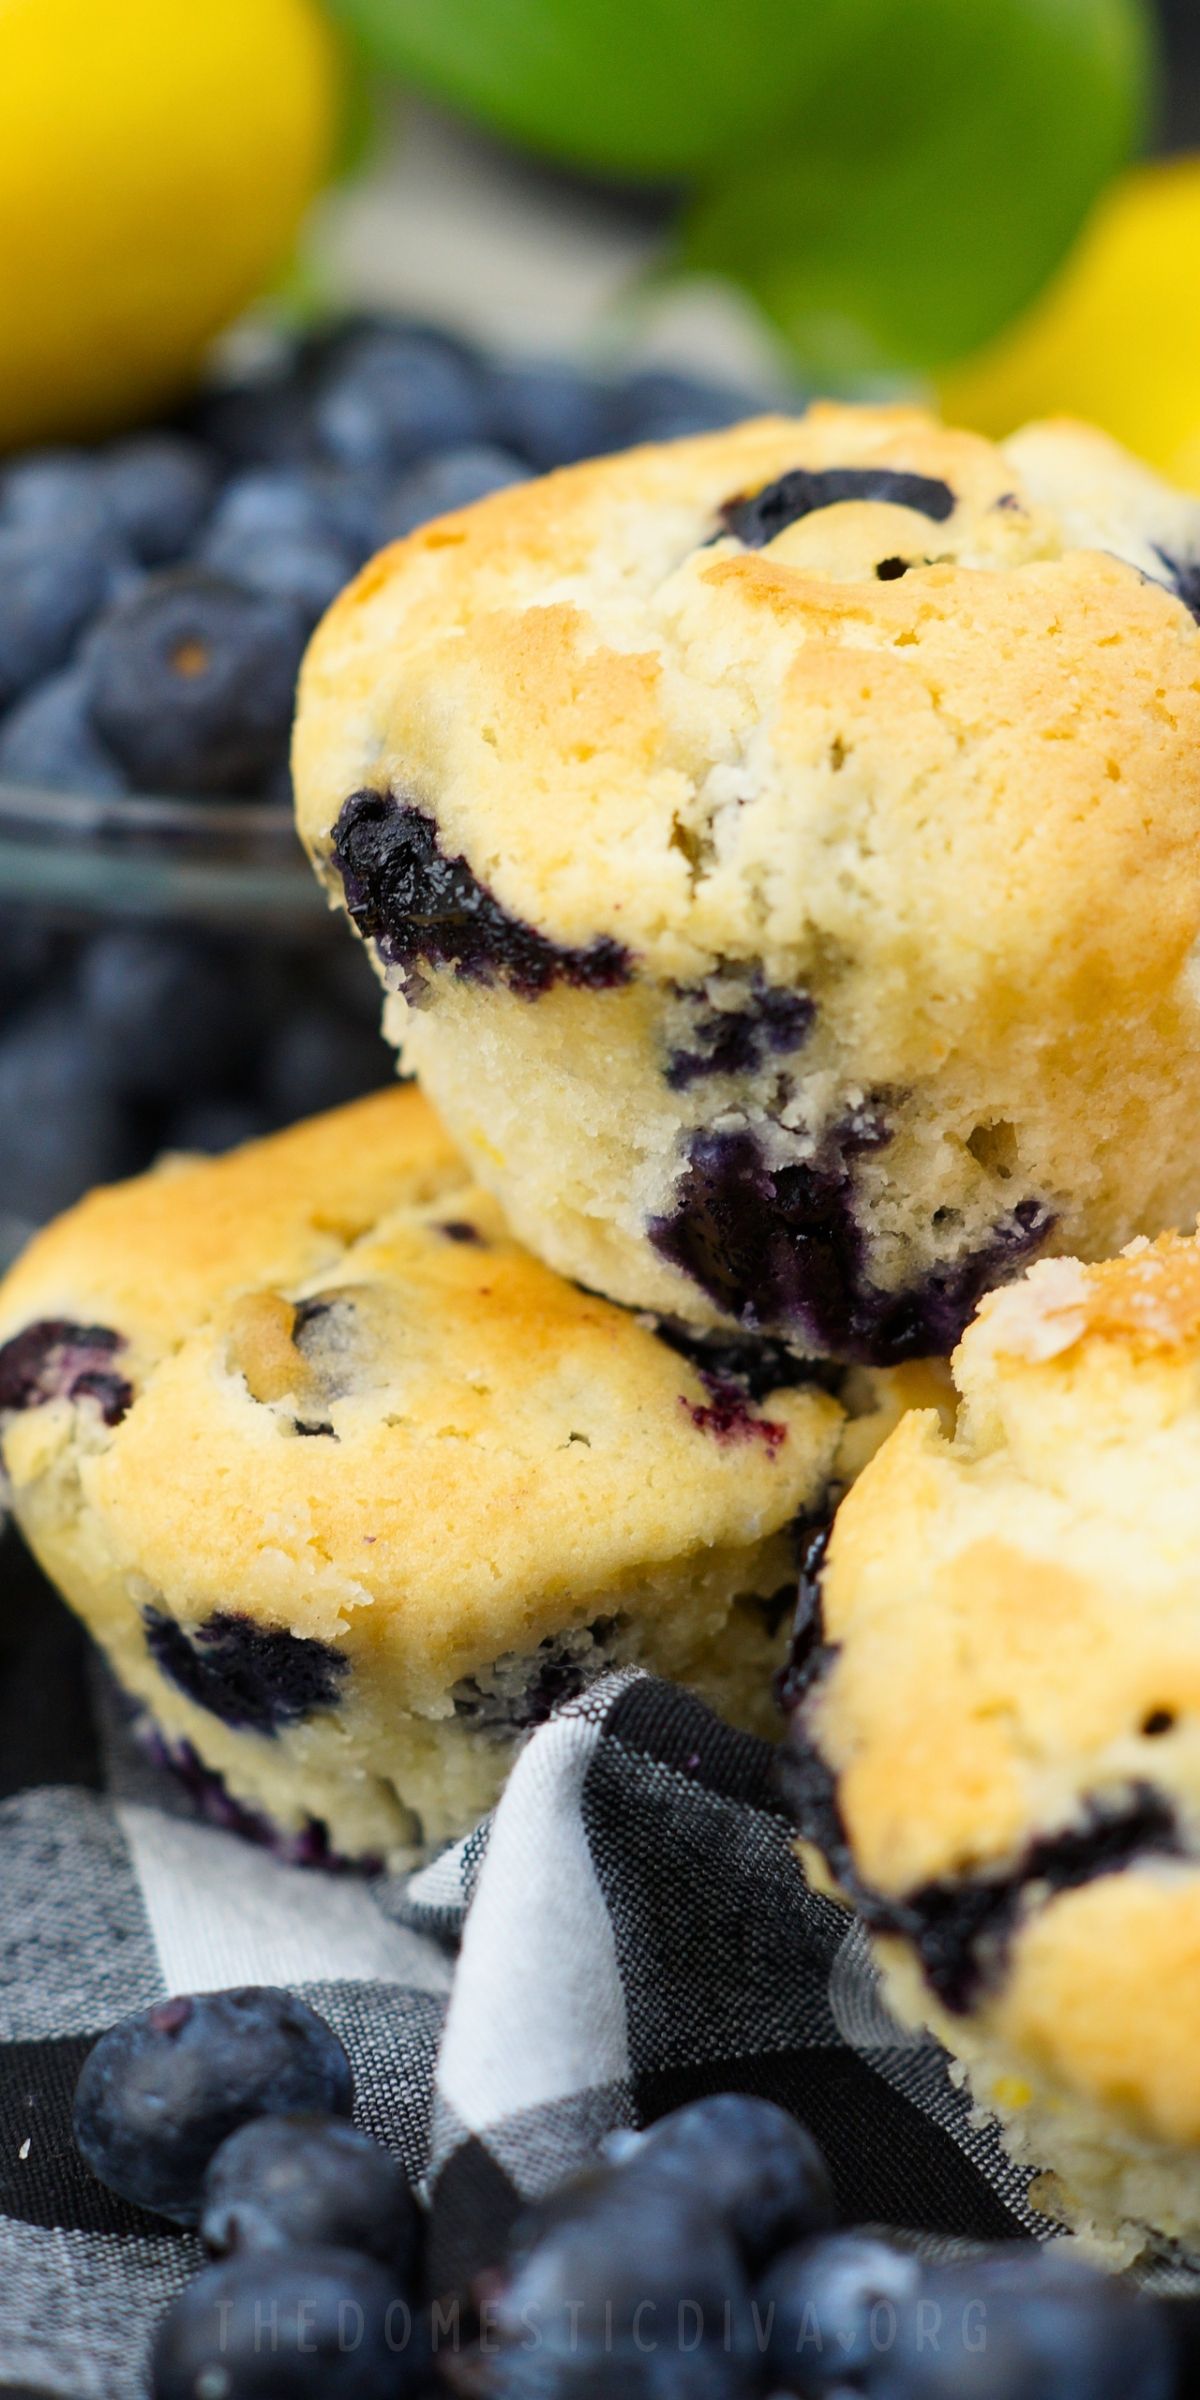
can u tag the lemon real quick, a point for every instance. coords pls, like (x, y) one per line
(156, 157)
(1116, 336)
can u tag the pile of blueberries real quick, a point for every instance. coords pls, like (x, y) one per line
(156, 595)
(124, 1039)
(699, 2260)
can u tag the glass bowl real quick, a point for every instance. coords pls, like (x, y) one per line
(170, 978)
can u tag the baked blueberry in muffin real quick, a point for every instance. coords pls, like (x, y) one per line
(353, 1492)
(994, 1749)
(780, 851)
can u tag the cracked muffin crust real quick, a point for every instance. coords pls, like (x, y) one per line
(780, 850)
(352, 1491)
(995, 1744)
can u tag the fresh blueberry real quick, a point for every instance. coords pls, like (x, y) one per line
(325, 347)
(758, 2169)
(315, 1060)
(194, 680)
(54, 491)
(451, 480)
(297, 503)
(215, 1125)
(278, 502)
(162, 2090)
(658, 404)
(349, 506)
(292, 532)
(61, 1128)
(51, 583)
(548, 412)
(311, 2324)
(388, 397)
(281, 2182)
(166, 1007)
(827, 2307)
(261, 422)
(59, 497)
(308, 569)
(622, 2286)
(1020, 2323)
(158, 488)
(48, 739)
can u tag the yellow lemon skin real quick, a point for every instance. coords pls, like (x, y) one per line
(1116, 335)
(156, 157)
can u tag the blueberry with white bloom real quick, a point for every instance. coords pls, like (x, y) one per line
(162, 2090)
(756, 2166)
(827, 2308)
(281, 2182)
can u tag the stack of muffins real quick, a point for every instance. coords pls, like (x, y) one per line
(781, 853)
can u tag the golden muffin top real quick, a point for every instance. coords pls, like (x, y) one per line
(851, 687)
(320, 1375)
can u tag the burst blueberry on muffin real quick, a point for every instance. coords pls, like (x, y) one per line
(780, 849)
(352, 1491)
(995, 1750)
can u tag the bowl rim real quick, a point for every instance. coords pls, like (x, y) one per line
(45, 810)
(132, 854)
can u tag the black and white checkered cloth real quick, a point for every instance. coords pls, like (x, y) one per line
(629, 1929)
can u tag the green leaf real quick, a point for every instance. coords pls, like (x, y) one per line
(919, 202)
(645, 88)
(361, 118)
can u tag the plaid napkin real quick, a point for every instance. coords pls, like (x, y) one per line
(628, 1930)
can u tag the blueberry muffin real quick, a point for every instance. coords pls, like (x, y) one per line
(351, 1490)
(781, 852)
(995, 1745)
